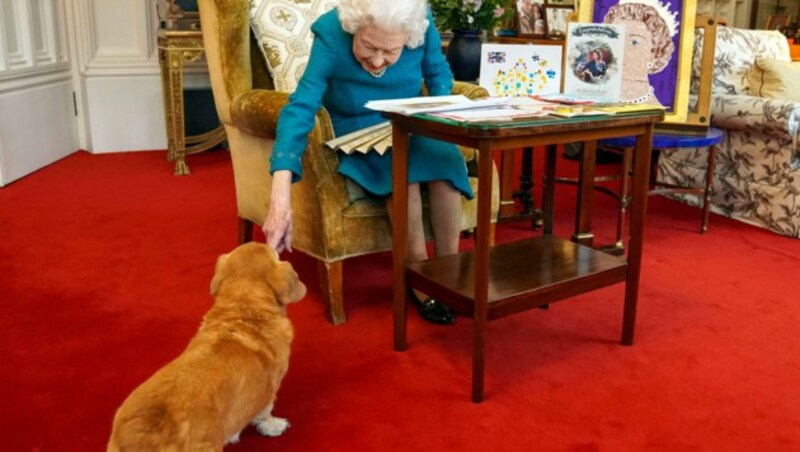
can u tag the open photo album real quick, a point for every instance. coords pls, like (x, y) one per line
(432, 104)
(377, 138)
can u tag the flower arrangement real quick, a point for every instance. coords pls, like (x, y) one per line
(469, 14)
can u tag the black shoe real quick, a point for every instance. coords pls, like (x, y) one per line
(431, 310)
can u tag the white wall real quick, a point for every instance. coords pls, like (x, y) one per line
(735, 13)
(742, 10)
(118, 75)
(37, 128)
(102, 50)
(37, 121)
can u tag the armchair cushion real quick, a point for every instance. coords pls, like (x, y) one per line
(775, 79)
(283, 31)
(735, 53)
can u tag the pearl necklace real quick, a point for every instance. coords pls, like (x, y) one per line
(379, 73)
(640, 99)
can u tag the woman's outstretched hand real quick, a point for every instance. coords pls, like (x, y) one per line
(278, 224)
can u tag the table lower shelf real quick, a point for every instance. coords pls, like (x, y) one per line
(522, 275)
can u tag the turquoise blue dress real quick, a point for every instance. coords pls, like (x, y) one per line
(335, 79)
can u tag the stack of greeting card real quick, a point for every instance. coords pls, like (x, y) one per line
(511, 70)
(594, 55)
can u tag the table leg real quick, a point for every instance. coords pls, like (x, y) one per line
(524, 194)
(549, 188)
(639, 192)
(175, 101)
(709, 188)
(624, 197)
(166, 91)
(399, 230)
(583, 215)
(481, 273)
(506, 185)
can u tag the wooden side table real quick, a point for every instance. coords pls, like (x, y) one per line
(489, 284)
(661, 140)
(177, 47)
(664, 140)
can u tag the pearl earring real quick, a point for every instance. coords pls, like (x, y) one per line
(649, 65)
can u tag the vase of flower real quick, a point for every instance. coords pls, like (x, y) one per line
(467, 19)
(464, 54)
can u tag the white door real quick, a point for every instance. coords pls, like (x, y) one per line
(38, 123)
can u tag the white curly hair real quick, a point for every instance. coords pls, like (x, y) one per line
(407, 15)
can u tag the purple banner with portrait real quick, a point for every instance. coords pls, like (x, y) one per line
(663, 74)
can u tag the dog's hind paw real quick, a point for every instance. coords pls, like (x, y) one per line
(272, 426)
(233, 439)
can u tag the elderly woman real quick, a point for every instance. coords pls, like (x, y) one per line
(648, 48)
(366, 50)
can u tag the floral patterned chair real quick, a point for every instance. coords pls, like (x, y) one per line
(757, 168)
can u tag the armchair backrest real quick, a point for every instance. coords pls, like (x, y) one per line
(262, 79)
(226, 36)
(735, 53)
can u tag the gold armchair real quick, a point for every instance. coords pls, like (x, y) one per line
(327, 226)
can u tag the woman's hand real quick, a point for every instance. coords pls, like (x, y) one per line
(278, 224)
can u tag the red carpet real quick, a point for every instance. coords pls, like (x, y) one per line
(105, 263)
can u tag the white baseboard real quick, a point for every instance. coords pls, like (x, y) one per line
(125, 114)
(37, 127)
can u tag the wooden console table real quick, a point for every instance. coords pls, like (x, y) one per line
(489, 284)
(175, 48)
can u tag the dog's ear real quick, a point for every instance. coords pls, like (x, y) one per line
(218, 274)
(285, 283)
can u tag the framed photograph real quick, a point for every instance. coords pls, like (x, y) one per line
(531, 18)
(557, 19)
(178, 14)
(595, 56)
(777, 21)
(658, 49)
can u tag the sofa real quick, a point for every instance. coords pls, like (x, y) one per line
(757, 165)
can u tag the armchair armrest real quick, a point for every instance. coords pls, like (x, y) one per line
(772, 117)
(469, 90)
(256, 112)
